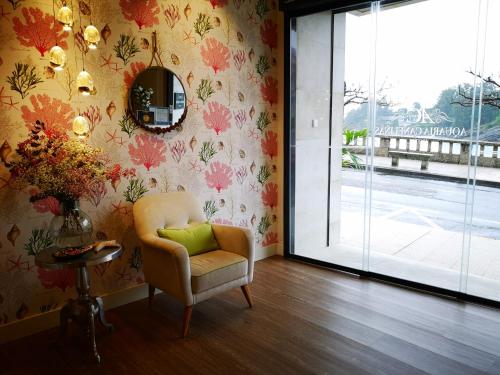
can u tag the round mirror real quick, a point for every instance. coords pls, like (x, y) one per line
(157, 100)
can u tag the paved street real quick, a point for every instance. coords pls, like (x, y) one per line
(438, 204)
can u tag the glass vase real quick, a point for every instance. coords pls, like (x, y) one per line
(72, 227)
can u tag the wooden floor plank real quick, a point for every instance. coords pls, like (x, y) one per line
(305, 320)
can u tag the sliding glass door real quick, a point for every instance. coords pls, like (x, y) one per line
(395, 142)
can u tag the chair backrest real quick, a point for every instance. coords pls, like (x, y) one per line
(176, 209)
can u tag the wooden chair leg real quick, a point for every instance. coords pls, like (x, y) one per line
(151, 294)
(248, 295)
(185, 320)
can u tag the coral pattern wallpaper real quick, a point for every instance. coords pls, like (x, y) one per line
(224, 53)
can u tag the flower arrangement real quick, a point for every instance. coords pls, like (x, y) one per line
(58, 166)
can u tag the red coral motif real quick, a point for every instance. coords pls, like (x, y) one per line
(49, 204)
(56, 115)
(218, 3)
(269, 34)
(271, 239)
(216, 55)
(129, 78)
(219, 176)
(217, 117)
(61, 279)
(39, 31)
(269, 144)
(270, 195)
(269, 90)
(143, 12)
(150, 151)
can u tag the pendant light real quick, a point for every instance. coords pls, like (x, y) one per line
(65, 16)
(91, 35)
(84, 80)
(85, 83)
(81, 126)
(57, 56)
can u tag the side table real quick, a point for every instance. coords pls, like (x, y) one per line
(85, 307)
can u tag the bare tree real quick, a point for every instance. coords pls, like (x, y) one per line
(491, 93)
(358, 95)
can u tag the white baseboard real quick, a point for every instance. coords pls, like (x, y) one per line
(41, 322)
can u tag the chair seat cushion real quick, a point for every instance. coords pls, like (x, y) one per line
(215, 268)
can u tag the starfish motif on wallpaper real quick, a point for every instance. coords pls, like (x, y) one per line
(119, 209)
(6, 99)
(189, 37)
(194, 166)
(110, 63)
(252, 77)
(191, 103)
(254, 187)
(101, 269)
(114, 138)
(124, 275)
(252, 133)
(251, 18)
(18, 264)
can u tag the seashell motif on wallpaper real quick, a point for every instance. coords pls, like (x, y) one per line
(225, 152)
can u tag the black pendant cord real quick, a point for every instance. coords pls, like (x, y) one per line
(55, 20)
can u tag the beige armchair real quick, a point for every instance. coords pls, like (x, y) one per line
(167, 265)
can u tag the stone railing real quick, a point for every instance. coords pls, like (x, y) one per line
(443, 150)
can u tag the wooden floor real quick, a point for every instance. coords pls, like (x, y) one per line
(305, 320)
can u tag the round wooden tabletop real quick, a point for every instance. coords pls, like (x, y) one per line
(45, 259)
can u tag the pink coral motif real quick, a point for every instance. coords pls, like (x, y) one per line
(270, 195)
(217, 117)
(269, 34)
(49, 204)
(218, 3)
(240, 117)
(39, 31)
(177, 150)
(219, 176)
(150, 151)
(61, 279)
(129, 78)
(269, 90)
(56, 115)
(269, 144)
(143, 12)
(271, 239)
(215, 54)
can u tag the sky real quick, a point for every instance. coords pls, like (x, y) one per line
(425, 47)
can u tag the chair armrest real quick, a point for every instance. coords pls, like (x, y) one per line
(167, 267)
(236, 240)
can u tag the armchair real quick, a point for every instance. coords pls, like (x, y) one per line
(167, 265)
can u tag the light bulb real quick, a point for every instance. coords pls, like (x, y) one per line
(91, 36)
(80, 126)
(57, 58)
(85, 83)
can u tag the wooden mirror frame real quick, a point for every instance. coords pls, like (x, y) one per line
(152, 128)
(155, 56)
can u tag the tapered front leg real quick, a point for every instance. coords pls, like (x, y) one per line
(185, 321)
(248, 294)
(101, 316)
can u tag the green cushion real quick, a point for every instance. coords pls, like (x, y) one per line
(197, 238)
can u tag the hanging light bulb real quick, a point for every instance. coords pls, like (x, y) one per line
(65, 16)
(57, 58)
(80, 126)
(85, 83)
(91, 36)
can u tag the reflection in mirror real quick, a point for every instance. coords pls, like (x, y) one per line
(157, 99)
